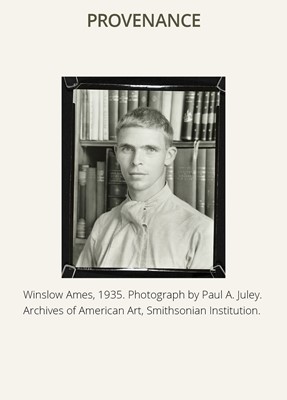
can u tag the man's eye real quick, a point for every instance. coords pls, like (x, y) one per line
(150, 149)
(126, 149)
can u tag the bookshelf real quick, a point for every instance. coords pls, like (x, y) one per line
(88, 151)
(111, 143)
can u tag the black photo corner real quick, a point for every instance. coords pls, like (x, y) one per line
(68, 170)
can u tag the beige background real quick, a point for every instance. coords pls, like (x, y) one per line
(139, 358)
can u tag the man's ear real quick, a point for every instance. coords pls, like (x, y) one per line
(170, 155)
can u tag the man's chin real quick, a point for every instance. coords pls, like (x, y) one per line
(137, 186)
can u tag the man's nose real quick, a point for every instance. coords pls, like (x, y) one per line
(138, 158)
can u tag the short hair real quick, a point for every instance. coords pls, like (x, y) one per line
(146, 117)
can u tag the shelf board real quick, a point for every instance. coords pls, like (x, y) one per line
(98, 143)
(203, 144)
(80, 241)
(210, 144)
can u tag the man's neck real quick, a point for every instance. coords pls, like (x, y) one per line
(144, 195)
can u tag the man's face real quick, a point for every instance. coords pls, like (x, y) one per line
(142, 155)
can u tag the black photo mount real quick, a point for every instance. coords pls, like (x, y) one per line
(68, 154)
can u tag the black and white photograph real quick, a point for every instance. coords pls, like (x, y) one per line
(143, 176)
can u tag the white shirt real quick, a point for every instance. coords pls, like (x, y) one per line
(162, 232)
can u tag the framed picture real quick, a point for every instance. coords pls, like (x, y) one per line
(143, 177)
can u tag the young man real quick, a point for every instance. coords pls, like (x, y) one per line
(152, 228)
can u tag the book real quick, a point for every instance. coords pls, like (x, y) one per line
(204, 116)
(88, 115)
(91, 199)
(176, 114)
(197, 115)
(185, 175)
(85, 118)
(210, 183)
(170, 176)
(116, 185)
(166, 104)
(215, 115)
(211, 116)
(113, 113)
(106, 114)
(201, 180)
(188, 110)
(81, 222)
(155, 99)
(100, 189)
(133, 99)
(101, 115)
(81, 99)
(123, 103)
(94, 114)
(143, 98)
(218, 99)
(77, 101)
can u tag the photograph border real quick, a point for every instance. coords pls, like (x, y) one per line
(68, 154)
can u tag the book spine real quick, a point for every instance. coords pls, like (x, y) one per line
(123, 103)
(170, 176)
(204, 116)
(81, 223)
(211, 116)
(194, 177)
(100, 190)
(88, 115)
(185, 175)
(94, 114)
(197, 115)
(210, 183)
(91, 199)
(84, 115)
(116, 185)
(218, 99)
(176, 114)
(143, 98)
(106, 114)
(155, 99)
(82, 194)
(215, 116)
(114, 202)
(80, 100)
(101, 115)
(78, 105)
(201, 180)
(133, 99)
(113, 113)
(188, 110)
(166, 104)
